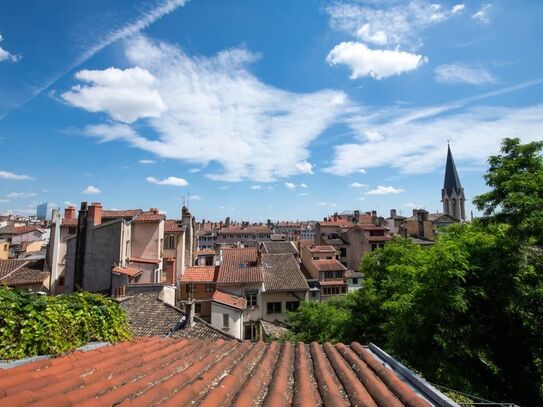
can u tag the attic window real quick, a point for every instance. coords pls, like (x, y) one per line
(242, 265)
(269, 264)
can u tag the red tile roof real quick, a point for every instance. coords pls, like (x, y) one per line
(329, 265)
(205, 252)
(127, 271)
(379, 238)
(200, 274)
(7, 266)
(321, 249)
(125, 213)
(371, 226)
(15, 273)
(19, 230)
(229, 299)
(166, 372)
(240, 266)
(149, 217)
(173, 226)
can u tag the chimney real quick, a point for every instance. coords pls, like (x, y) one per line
(191, 306)
(335, 217)
(393, 213)
(80, 246)
(69, 212)
(227, 222)
(154, 211)
(324, 219)
(356, 216)
(95, 212)
(415, 212)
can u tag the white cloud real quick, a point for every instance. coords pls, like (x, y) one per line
(256, 187)
(457, 8)
(483, 15)
(331, 204)
(362, 171)
(174, 181)
(195, 170)
(357, 185)
(413, 205)
(303, 194)
(459, 73)
(21, 195)
(13, 176)
(223, 187)
(385, 190)
(217, 106)
(5, 55)
(304, 167)
(91, 190)
(68, 203)
(302, 185)
(290, 185)
(147, 161)
(126, 95)
(4, 200)
(378, 64)
(195, 198)
(387, 23)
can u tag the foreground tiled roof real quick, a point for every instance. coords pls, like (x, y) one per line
(282, 273)
(166, 372)
(173, 226)
(229, 299)
(273, 331)
(7, 266)
(199, 274)
(230, 270)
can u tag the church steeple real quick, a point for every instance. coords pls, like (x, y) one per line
(452, 194)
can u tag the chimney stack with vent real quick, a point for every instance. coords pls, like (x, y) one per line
(95, 212)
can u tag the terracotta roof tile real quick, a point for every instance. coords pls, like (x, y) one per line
(353, 274)
(279, 247)
(321, 249)
(7, 266)
(68, 222)
(173, 226)
(125, 213)
(145, 261)
(200, 274)
(229, 299)
(127, 271)
(282, 273)
(166, 372)
(329, 265)
(22, 272)
(240, 266)
(149, 217)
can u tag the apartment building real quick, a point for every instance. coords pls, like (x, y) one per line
(322, 265)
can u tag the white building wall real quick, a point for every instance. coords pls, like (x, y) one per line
(235, 318)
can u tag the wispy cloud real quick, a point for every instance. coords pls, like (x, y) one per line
(147, 161)
(357, 185)
(252, 130)
(13, 176)
(463, 74)
(174, 181)
(330, 204)
(143, 20)
(21, 195)
(256, 187)
(482, 16)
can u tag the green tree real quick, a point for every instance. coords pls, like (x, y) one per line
(516, 196)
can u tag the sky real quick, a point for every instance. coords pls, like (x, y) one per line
(261, 109)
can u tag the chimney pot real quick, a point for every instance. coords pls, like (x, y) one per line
(95, 212)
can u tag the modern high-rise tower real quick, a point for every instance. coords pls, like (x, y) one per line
(452, 194)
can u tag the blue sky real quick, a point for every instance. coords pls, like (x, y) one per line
(281, 110)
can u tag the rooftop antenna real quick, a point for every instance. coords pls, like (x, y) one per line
(188, 200)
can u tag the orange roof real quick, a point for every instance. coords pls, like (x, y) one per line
(127, 271)
(329, 265)
(18, 230)
(153, 216)
(229, 299)
(168, 372)
(199, 274)
(125, 213)
(68, 222)
(173, 225)
(315, 249)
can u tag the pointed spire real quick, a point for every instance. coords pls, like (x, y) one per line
(452, 181)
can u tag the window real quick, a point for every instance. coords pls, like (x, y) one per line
(251, 297)
(198, 308)
(242, 266)
(71, 230)
(374, 246)
(292, 305)
(169, 242)
(333, 290)
(339, 274)
(209, 260)
(225, 321)
(343, 251)
(189, 288)
(355, 280)
(249, 331)
(377, 232)
(313, 294)
(329, 258)
(274, 307)
(328, 275)
(210, 287)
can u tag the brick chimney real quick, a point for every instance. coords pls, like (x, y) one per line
(393, 213)
(69, 212)
(95, 212)
(227, 222)
(335, 217)
(154, 211)
(356, 216)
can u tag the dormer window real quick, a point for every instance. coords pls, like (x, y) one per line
(242, 265)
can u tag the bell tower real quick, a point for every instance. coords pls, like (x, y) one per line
(452, 194)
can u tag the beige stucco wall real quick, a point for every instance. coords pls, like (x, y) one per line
(235, 317)
(282, 297)
(147, 239)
